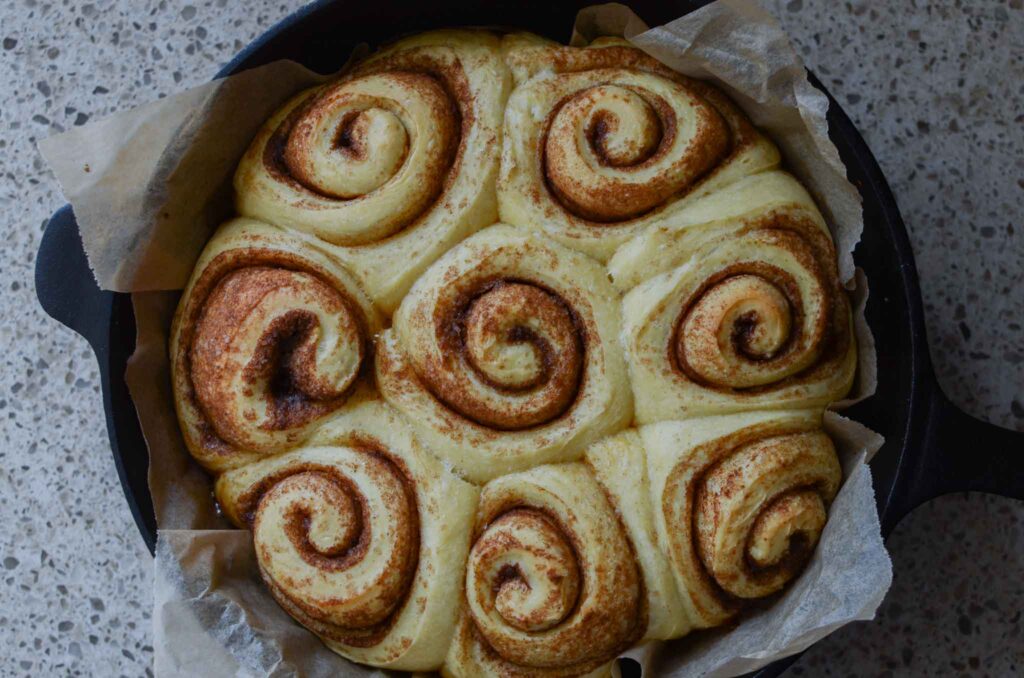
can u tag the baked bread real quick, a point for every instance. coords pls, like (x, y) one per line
(391, 164)
(740, 307)
(505, 354)
(552, 587)
(355, 535)
(516, 357)
(255, 289)
(603, 142)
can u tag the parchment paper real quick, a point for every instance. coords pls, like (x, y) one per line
(148, 186)
(212, 615)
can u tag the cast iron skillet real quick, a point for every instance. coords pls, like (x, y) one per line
(932, 448)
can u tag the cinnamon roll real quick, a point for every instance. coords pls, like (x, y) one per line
(604, 141)
(740, 502)
(394, 162)
(752, 316)
(361, 537)
(552, 588)
(271, 335)
(505, 354)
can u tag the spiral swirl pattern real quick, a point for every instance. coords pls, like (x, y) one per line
(753, 318)
(754, 322)
(741, 501)
(270, 337)
(551, 585)
(370, 151)
(623, 143)
(519, 339)
(504, 354)
(312, 532)
(350, 537)
(640, 149)
(396, 160)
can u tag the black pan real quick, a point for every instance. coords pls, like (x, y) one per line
(932, 448)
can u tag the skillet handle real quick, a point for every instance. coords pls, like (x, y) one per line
(962, 454)
(66, 286)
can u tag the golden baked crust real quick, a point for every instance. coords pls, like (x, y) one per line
(516, 358)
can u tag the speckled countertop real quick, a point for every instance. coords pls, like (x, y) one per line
(937, 88)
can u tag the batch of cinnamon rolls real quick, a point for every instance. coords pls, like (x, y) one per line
(515, 357)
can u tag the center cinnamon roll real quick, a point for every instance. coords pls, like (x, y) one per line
(525, 350)
(504, 354)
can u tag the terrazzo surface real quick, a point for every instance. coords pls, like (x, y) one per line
(936, 88)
